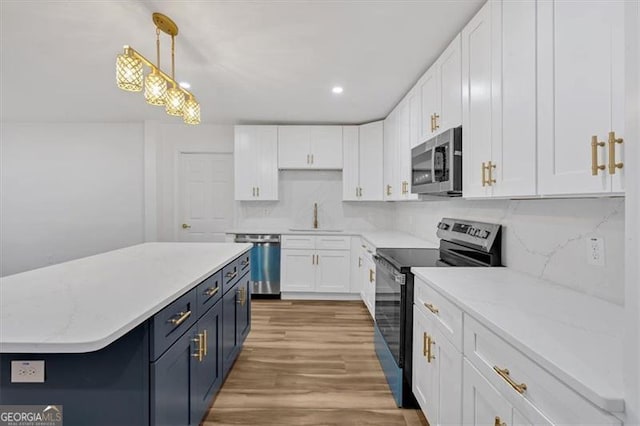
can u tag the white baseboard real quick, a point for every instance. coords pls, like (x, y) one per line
(294, 295)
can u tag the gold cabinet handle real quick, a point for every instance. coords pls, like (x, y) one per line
(232, 275)
(317, 259)
(432, 123)
(371, 276)
(430, 342)
(186, 226)
(388, 189)
(242, 296)
(432, 308)
(484, 179)
(308, 159)
(490, 168)
(594, 156)
(199, 350)
(311, 158)
(499, 422)
(204, 344)
(179, 318)
(359, 262)
(612, 153)
(436, 126)
(211, 291)
(425, 338)
(504, 373)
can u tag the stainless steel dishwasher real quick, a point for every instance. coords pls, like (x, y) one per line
(265, 263)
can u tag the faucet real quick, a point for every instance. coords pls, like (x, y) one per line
(315, 215)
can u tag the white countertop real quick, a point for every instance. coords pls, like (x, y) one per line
(379, 239)
(86, 304)
(575, 337)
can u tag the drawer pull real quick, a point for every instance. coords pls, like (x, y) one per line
(499, 422)
(204, 342)
(211, 291)
(179, 318)
(199, 350)
(232, 275)
(432, 308)
(430, 342)
(425, 336)
(504, 373)
(244, 262)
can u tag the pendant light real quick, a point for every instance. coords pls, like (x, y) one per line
(155, 86)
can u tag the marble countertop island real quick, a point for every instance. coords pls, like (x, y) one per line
(86, 304)
(576, 337)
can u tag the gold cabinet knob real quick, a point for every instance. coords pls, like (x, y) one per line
(185, 226)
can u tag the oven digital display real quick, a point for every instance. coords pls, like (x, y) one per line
(461, 227)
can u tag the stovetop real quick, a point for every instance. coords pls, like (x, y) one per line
(405, 258)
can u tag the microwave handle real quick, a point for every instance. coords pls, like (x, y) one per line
(433, 164)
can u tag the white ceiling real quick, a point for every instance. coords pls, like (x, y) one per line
(248, 61)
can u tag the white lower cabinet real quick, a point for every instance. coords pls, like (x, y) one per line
(315, 264)
(437, 372)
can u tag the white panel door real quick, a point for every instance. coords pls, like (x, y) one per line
(371, 161)
(297, 270)
(415, 108)
(476, 101)
(513, 149)
(390, 158)
(429, 94)
(266, 151)
(326, 147)
(294, 147)
(446, 390)
(355, 281)
(482, 404)
(245, 158)
(369, 284)
(449, 87)
(423, 373)
(580, 93)
(332, 271)
(205, 197)
(403, 150)
(351, 165)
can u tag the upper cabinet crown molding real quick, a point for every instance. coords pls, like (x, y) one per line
(310, 147)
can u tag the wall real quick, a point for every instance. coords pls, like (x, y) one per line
(543, 238)
(68, 191)
(163, 144)
(298, 190)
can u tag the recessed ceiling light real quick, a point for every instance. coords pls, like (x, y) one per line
(185, 85)
(337, 90)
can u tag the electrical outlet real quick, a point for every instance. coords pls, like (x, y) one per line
(595, 251)
(27, 371)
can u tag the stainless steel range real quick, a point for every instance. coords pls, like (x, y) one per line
(462, 243)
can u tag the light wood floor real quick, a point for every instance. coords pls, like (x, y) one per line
(308, 363)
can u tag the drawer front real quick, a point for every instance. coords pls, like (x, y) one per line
(244, 263)
(330, 242)
(171, 322)
(544, 392)
(298, 242)
(209, 292)
(367, 247)
(230, 275)
(447, 315)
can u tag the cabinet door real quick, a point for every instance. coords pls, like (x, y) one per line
(390, 167)
(429, 94)
(297, 270)
(482, 403)
(171, 378)
(326, 147)
(230, 344)
(371, 161)
(404, 150)
(415, 119)
(449, 81)
(369, 284)
(332, 271)
(446, 390)
(356, 266)
(245, 159)
(422, 372)
(266, 164)
(293, 147)
(476, 101)
(580, 93)
(243, 311)
(513, 148)
(208, 371)
(351, 166)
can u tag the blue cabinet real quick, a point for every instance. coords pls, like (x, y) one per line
(244, 309)
(236, 311)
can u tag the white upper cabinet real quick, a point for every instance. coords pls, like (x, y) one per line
(362, 174)
(498, 101)
(580, 96)
(310, 147)
(390, 166)
(440, 92)
(403, 148)
(256, 163)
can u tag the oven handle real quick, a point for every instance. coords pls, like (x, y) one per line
(383, 264)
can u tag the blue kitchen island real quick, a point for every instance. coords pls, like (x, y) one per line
(143, 335)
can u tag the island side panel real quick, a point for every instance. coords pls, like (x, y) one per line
(107, 387)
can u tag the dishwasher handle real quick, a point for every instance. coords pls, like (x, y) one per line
(258, 239)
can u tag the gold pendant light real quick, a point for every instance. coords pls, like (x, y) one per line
(177, 100)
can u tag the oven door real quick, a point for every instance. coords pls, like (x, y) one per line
(390, 293)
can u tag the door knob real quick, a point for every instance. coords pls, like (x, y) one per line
(185, 226)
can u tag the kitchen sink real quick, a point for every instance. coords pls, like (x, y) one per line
(315, 230)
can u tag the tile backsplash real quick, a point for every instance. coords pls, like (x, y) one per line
(545, 238)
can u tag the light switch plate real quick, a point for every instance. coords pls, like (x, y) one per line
(595, 251)
(27, 371)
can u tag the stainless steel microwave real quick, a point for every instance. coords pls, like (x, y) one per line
(436, 165)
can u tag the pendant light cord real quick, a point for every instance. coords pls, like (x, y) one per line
(173, 58)
(158, 46)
